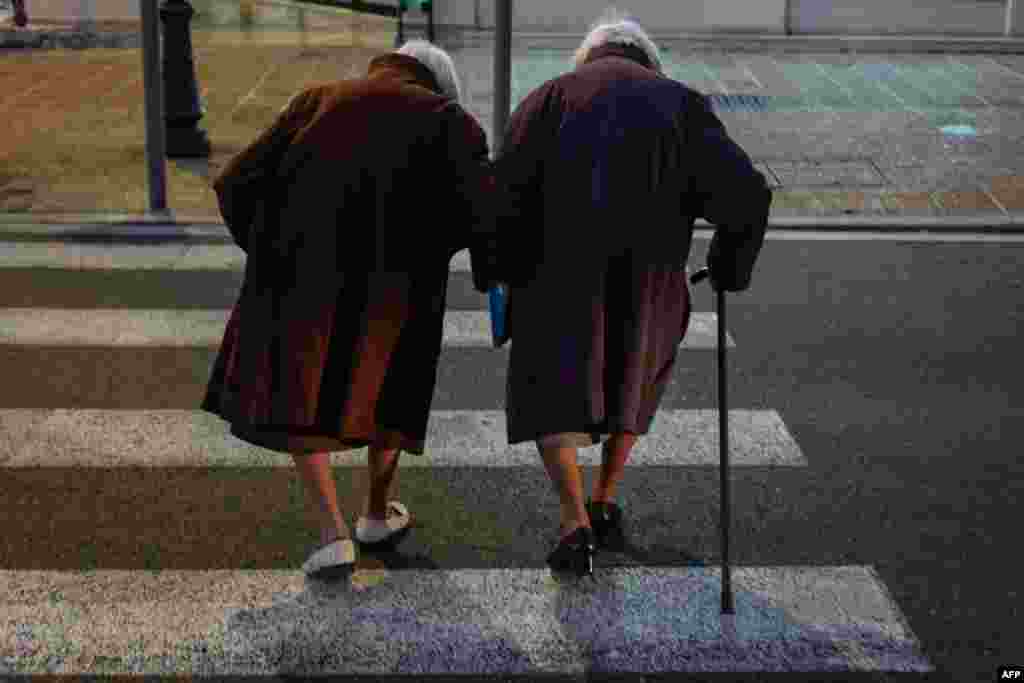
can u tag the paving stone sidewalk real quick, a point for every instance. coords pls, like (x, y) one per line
(859, 135)
(842, 134)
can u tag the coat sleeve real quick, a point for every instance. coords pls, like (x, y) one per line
(243, 185)
(473, 199)
(731, 194)
(520, 182)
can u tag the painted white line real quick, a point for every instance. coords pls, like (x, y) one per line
(469, 621)
(252, 93)
(920, 85)
(824, 72)
(995, 200)
(750, 73)
(455, 438)
(803, 90)
(883, 86)
(714, 77)
(205, 328)
(962, 87)
(6, 104)
(914, 84)
(976, 72)
(1004, 68)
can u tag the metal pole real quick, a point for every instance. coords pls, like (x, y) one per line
(400, 36)
(1014, 17)
(723, 449)
(153, 87)
(502, 70)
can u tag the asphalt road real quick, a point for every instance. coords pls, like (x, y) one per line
(895, 367)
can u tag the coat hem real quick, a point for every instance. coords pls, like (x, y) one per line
(286, 440)
(579, 439)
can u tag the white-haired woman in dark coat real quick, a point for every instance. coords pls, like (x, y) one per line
(605, 169)
(335, 339)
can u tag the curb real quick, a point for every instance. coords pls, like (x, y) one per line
(72, 38)
(160, 228)
(735, 41)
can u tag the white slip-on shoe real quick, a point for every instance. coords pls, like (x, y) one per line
(372, 532)
(335, 560)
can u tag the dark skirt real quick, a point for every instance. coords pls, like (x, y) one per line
(594, 344)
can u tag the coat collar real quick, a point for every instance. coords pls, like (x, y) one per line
(631, 52)
(403, 68)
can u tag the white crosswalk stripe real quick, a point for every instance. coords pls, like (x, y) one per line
(410, 621)
(180, 328)
(514, 621)
(470, 438)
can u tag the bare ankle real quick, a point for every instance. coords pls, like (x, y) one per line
(333, 531)
(567, 529)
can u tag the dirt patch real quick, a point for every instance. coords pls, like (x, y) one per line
(74, 136)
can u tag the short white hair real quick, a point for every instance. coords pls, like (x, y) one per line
(617, 27)
(439, 63)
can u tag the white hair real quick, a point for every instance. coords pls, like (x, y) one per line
(439, 63)
(617, 27)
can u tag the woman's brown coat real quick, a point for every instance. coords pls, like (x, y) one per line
(349, 208)
(605, 169)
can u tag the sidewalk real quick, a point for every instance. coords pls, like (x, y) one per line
(850, 138)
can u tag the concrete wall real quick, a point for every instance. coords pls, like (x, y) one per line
(899, 16)
(658, 16)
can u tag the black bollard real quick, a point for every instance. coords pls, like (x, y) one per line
(20, 15)
(181, 94)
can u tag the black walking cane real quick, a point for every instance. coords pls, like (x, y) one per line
(723, 443)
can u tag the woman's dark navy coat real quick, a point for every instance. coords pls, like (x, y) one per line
(605, 170)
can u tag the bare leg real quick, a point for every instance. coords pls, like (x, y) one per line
(564, 473)
(319, 481)
(382, 463)
(614, 455)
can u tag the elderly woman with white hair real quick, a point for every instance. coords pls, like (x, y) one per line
(349, 208)
(605, 169)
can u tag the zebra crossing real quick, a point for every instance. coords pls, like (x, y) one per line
(510, 616)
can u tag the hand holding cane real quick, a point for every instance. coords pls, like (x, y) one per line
(723, 440)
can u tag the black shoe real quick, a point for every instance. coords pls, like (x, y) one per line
(606, 520)
(575, 553)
